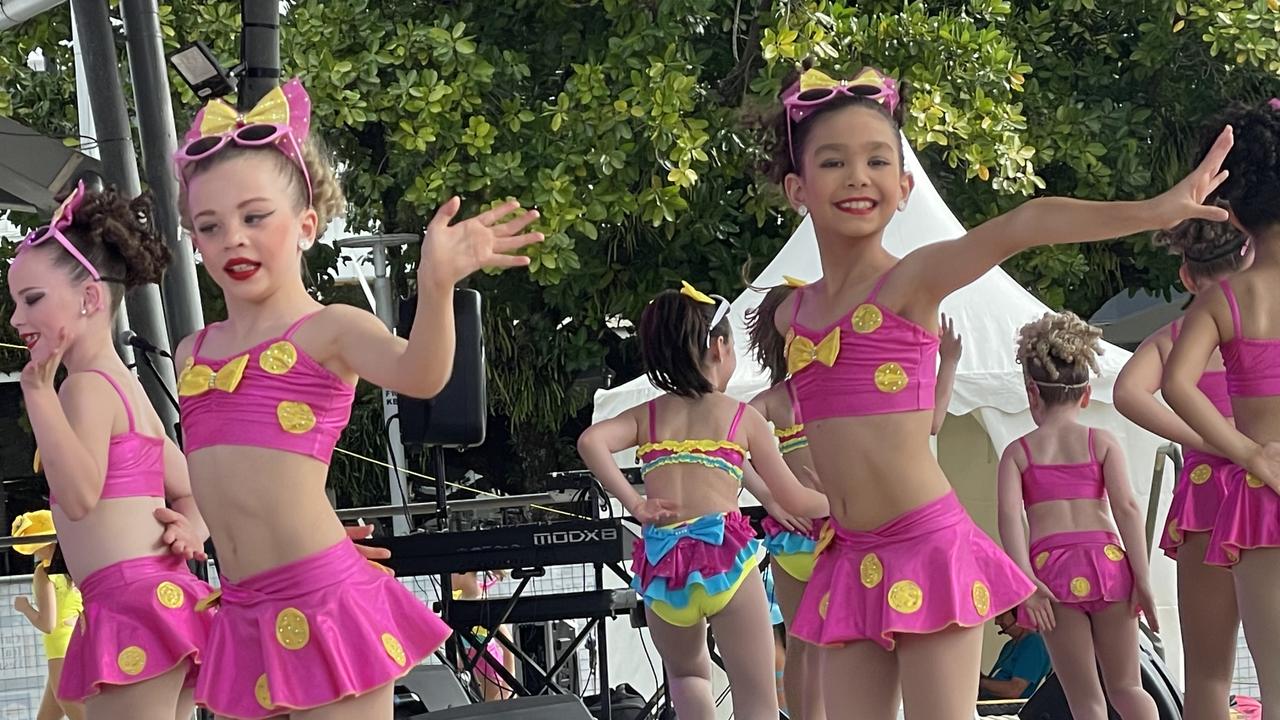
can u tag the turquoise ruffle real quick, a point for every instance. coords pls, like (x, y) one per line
(789, 543)
(713, 585)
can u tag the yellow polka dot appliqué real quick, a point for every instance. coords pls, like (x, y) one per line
(891, 378)
(1253, 481)
(132, 660)
(905, 596)
(867, 318)
(981, 598)
(1041, 559)
(279, 358)
(1201, 474)
(1080, 587)
(1174, 534)
(871, 571)
(170, 595)
(295, 417)
(822, 605)
(1113, 552)
(394, 649)
(262, 692)
(292, 629)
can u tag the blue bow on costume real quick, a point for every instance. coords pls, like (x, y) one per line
(658, 541)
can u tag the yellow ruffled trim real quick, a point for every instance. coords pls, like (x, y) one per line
(686, 446)
(789, 430)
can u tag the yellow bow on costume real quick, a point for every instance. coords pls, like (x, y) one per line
(220, 118)
(200, 379)
(793, 282)
(691, 292)
(814, 79)
(801, 352)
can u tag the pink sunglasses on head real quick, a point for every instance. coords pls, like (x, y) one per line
(61, 220)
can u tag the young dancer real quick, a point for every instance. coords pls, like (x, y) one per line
(58, 606)
(1238, 317)
(1206, 595)
(792, 548)
(305, 626)
(474, 586)
(109, 465)
(1065, 475)
(901, 593)
(695, 562)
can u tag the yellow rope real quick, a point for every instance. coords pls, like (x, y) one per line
(454, 485)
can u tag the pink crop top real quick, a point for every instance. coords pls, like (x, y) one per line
(135, 462)
(1253, 365)
(272, 396)
(1213, 383)
(725, 455)
(871, 362)
(1063, 481)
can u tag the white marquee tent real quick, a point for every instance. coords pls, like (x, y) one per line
(988, 408)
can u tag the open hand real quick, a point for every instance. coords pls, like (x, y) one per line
(450, 252)
(1040, 607)
(654, 511)
(1144, 602)
(1186, 199)
(1264, 464)
(179, 535)
(361, 532)
(794, 523)
(951, 344)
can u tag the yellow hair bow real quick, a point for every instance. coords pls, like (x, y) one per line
(793, 282)
(220, 118)
(802, 352)
(690, 291)
(200, 379)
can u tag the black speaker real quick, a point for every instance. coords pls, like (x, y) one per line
(456, 417)
(538, 707)
(437, 686)
(1050, 702)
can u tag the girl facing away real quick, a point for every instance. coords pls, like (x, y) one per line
(1239, 318)
(110, 467)
(474, 586)
(58, 605)
(1090, 584)
(306, 626)
(696, 560)
(1207, 612)
(901, 593)
(793, 547)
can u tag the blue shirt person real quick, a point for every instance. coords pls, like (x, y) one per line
(1022, 664)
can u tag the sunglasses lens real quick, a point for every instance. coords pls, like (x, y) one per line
(815, 95)
(864, 90)
(201, 147)
(257, 133)
(37, 236)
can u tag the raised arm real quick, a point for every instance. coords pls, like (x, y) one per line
(73, 431)
(420, 366)
(1135, 391)
(1129, 521)
(939, 269)
(794, 497)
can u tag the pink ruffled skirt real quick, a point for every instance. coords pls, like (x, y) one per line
(329, 626)
(1249, 519)
(1197, 499)
(1085, 570)
(926, 570)
(139, 622)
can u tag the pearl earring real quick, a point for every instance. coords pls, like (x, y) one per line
(902, 205)
(84, 311)
(802, 210)
(304, 244)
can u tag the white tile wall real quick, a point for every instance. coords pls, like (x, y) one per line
(23, 668)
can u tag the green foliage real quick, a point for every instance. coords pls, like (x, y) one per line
(623, 122)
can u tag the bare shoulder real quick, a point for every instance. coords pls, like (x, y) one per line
(184, 351)
(786, 310)
(1105, 442)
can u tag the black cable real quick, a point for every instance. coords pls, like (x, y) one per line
(400, 485)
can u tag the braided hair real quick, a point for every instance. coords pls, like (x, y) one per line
(1210, 250)
(1057, 352)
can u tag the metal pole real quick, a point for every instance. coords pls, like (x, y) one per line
(159, 141)
(259, 50)
(111, 118)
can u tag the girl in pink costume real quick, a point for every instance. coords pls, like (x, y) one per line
(110, 467)
(901, 592)
(474, 586)
(1088, 589)
(1206, 595)
(1239, 317)
(306, 626)
(793, 549)
(695, 562)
